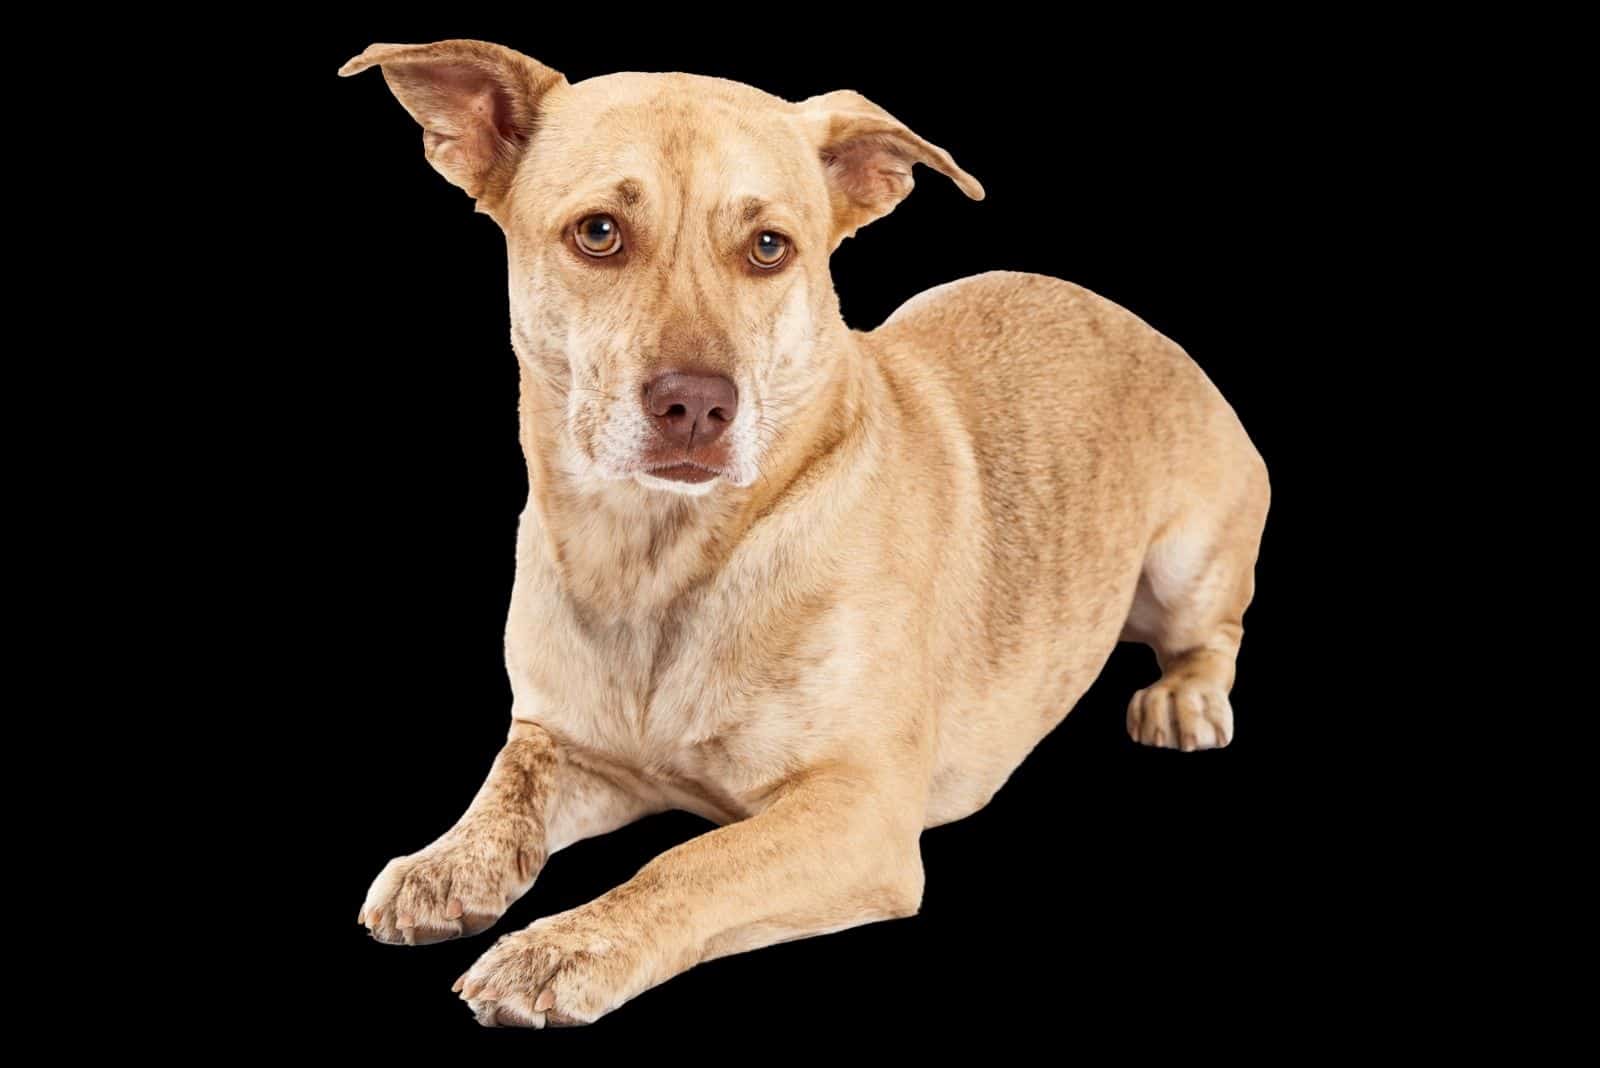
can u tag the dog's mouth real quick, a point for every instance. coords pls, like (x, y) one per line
(683, 471)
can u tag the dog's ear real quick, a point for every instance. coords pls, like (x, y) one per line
(478, 104)
(867, 155)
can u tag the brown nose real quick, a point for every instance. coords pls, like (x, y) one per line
(691, 410)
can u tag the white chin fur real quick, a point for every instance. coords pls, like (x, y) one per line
(688, 489)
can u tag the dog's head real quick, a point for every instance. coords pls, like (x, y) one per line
(668, 240)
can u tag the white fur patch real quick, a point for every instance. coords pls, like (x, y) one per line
(1172, 566)
(792, 331)
(687, 489)
(622, 440)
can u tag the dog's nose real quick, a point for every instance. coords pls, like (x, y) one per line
(690, 409)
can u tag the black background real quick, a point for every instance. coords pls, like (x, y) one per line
(1189, 173)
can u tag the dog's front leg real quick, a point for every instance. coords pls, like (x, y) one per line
(461, 883)
(836, 849)
(536, 800)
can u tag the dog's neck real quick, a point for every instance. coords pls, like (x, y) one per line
(621, 552)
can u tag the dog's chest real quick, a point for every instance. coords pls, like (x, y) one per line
(702, 715)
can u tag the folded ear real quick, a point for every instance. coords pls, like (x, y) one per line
(478, 104)
(867, 155)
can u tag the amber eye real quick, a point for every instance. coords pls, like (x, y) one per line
(598, 235)
(769, 249)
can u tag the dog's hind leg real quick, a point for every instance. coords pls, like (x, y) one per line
(1198, 578)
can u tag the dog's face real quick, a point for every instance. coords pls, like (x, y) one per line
(668, 239)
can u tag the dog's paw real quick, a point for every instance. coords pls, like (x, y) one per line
(456, 886)
(562, 970)
(1182, 714)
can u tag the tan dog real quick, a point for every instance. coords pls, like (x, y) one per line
(824, 588)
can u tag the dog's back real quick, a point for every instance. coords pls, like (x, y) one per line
(1043, 369)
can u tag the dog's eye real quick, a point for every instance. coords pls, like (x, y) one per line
(769, 249)
(598, 235)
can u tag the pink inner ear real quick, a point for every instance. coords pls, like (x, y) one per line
(869, 170)
(468, 90)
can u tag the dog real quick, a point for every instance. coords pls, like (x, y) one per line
(823, 587)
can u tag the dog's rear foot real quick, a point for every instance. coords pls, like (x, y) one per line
(1185, 714)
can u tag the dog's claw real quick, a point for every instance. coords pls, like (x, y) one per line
(455, 987)
(454, 910)
(546, 1001)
